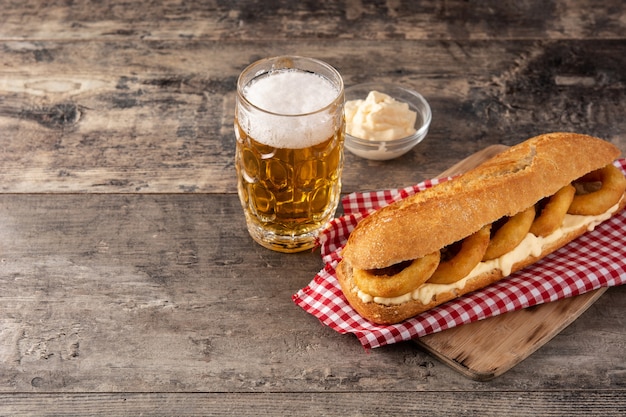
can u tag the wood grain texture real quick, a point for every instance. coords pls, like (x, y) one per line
(284, 20)
(167, 293)
(485, 350)
(153, 117)
(128, 283)
(357, 404)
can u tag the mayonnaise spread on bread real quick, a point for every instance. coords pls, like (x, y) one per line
(379, 117)
(530, 246)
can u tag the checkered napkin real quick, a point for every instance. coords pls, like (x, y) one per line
(596, 259)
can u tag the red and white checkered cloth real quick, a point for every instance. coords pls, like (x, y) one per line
(596, 259)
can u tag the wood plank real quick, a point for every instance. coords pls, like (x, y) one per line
(155, 117)
(487, 349)
(287, 20)
(434, 404)
(167, 293)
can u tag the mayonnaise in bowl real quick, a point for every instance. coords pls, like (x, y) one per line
(384, 121)
(379, 117)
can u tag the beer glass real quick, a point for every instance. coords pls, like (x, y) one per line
(289, 126)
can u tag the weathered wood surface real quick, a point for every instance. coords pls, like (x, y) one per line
(286, 20)
(168, 293)
(361, 404)
(155, 117)
(128, 283)
(139, 114)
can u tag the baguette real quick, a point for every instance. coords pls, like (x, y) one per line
(436, 218)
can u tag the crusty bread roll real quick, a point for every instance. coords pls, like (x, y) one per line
(437, 217)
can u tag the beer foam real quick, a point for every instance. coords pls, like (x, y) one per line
(289, 97)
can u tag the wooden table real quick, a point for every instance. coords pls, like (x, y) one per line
(128, 282)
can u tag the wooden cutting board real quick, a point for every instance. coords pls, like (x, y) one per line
(486, 349)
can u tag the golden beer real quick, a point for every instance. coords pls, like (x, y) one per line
(289, 153)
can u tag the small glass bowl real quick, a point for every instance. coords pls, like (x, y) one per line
(384, 150)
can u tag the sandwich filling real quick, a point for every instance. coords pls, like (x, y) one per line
(531, 245)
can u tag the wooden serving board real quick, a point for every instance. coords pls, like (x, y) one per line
(486, 349)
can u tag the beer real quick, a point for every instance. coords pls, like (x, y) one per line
(289, 155)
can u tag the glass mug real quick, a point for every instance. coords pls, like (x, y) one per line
(289, 126)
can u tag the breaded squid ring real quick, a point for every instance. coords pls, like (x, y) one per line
(460, 265)
(388, 283)
(553, 213)
(599, 201)
(510, 234)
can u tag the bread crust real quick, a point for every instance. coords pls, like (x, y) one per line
(502, 186)
(391, 314)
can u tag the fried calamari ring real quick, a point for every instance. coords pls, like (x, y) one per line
(613, 184)
(553, 213)
(389, 282)
(584, 197)
(461, 264)
(507, 237)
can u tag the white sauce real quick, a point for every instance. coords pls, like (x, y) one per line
(379, 117)
(531, 245)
